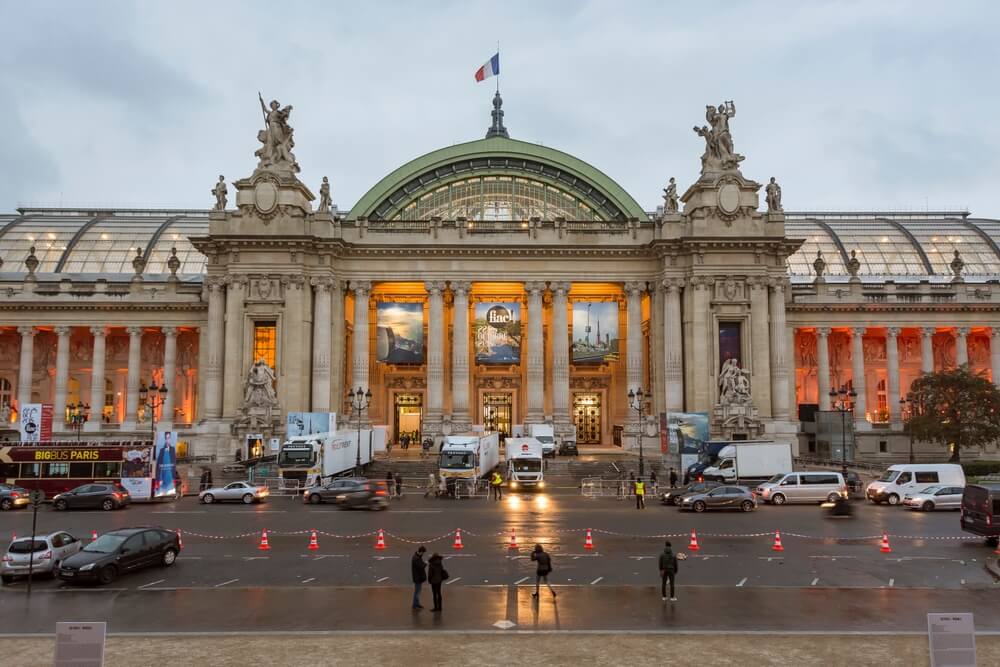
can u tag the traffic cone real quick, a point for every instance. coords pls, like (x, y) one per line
(93, 535)
(777, 542)
(180, 540)
(885, 548)
(458, 540)
(513, 540)
(313, 543)
(589, 542)
(264, 546)
(693, 544)
(380, 541)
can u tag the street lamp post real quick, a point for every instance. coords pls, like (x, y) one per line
(358, 401)
(907, 405)
(843, 402)
(78, 416)
(152, 397)
(637, 401)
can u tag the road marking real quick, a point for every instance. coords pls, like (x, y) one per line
(815, 581)
(892, 582)
(833, 557)
(521, 580)
(306, 581)
(257, 511)
(707, 556)
(770, 558)
(322, 556)
(460, 556)
(178, 512)
(256, 557)
(417, 512)
(225, 582)
(152, 583)
(384, 557)
(596, 580)
(742, 581)
(504, 624)
(451, 581)
(189, 558)
(381, 580)
(640, 557)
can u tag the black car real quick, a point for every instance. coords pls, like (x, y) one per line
(981, 511)
(100, 495)
(568, 448)
(673, 496)
(121, 551)
(12, 497)
(351, 492)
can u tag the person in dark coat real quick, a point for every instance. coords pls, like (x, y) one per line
(418, 569)
(399, 485)
(673, 478)
(544, 569)
(668, 570)
(436, 575)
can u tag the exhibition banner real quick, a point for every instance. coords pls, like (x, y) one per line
(687, 432)
(166, 464)
(137, 472)
(399, 333)
(595, 332)
(298, 424)
(497, 330)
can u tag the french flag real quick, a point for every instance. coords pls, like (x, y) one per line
(490, 68)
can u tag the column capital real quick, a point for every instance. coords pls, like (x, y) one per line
(777, 285)
(434, 287)
(672, 285)
(361, 288)
(534, 288)
(235, 281)
(560, 288)
(757, 282)
(98, 332)
(927, 332)
(460, 287)
(322, 283)
(169, 331)
(134, 331)
(27, 331)
(892, 332)
(962, 331)
(859, 331)
(63, 331)
(698, 282)
(635, 289)
(823, 331)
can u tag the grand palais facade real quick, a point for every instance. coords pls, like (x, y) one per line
(494, 282)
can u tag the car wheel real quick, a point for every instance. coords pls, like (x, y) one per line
(247, 498)
(6, 504)
(107, 574)
(832, 498)
(777, 499)
(7, 579)
(927, 506)
(60, 505)
(107, 505)
(893, 499)
(698, 506)
(746, 506)
(208, 499)
(315, 498)
(169, 556)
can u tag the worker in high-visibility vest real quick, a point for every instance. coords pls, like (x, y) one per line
(496, 483)
(640, 494)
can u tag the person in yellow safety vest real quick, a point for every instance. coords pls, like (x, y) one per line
(495, 484)
(640, 494)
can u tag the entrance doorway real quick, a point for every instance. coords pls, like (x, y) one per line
(409, 412)
(587, 418)
(497, 412)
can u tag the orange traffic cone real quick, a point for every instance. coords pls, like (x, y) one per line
(693, 545)
(380, 541)
(180, 540)
(513, 540)
(777, 542)
(589, 542)
(885, 548)
(458, 540)
(313, 543)
(264, 546)
(93, 535)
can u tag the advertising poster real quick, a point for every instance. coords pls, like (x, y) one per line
(687, 432)
(497, 329)
(595, 332)
(298, 424)
(137, 472)
(255, 445)
(664, 436)
(29, 419)
(166, 464)
(47, 412)
(399, 333)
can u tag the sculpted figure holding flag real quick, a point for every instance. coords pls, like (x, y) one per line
(276, 137)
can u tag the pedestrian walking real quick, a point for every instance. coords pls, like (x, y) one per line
(687, 477)
(496, 484)
(399, 486)
(404, 442)
(544, 569)
(621, 485)
(418, 570)
(640, 494)
(652, 482)
(436, 575)
(431, 485)
(631, 484)
(668, 571)
(673, 478)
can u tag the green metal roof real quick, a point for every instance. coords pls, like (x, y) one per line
(494, 148)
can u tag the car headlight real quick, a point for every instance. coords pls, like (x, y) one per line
(541, 485)
(88, 566)
(513, 485)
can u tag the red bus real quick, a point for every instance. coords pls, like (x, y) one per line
(55, 468)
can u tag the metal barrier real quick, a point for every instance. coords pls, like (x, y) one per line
(596, 487)
(472, 488)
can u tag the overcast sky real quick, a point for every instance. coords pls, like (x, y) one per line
(851, 105)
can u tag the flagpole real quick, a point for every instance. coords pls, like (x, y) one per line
(498, 65)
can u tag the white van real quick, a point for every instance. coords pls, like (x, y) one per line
(911, 478)
(803, 487)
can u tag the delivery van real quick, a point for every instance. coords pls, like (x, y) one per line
(899, 480)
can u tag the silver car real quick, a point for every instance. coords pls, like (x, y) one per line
(45, 555)
(245, 492)
(937, 497)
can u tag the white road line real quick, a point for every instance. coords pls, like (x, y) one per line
(596, 580)
(742, 581)
(306, 581)
(892, 582)
(521, 580)
(178, 512)
(384, 557)
(256, 511)
(815, 581)
(189, 558)
(381, 580)
(417, 512)
(152, 583)
(451, 581)
(225, 582)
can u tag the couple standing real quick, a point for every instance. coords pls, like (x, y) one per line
(431, 572)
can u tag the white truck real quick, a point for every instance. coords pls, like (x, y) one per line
(470, 456)
(545, 434)
(525, 463)
(311, 458)
(751, 461)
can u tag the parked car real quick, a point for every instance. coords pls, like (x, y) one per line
(244, 492)
(568, 448)
(121, 551)
(720, 498)
(328, 491)
(803, 487)
(981, 511)
(45, 555)
(898, 480)
(673, 496)
(12, 497)
(352, 493)
(102, 495)
(935, 497)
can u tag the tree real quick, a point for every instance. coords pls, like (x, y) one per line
(957, 408)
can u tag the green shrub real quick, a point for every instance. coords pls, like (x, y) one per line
(980, 468)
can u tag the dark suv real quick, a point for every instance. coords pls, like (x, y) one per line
(981, 511)
(350, 493)
(99, 495)
(121, 551)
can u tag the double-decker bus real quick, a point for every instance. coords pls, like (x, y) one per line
(55, 467)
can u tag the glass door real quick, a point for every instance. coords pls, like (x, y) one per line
(497, 413)
(587, 417)
(409, 413)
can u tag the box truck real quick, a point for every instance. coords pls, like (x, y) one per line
(545, 434)
(312, 458)
(525, 464)
(750, 461)
(470, 456)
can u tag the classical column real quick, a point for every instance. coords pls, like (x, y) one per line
(359, 340)
(338, 346)
(460, 417)
(760, 344)
(702, 372)
(858, 379)
(62, 378)
(435, 357)
(961, 345)
(560, 357)
(995, 354)
(97, 388)
(214, 343)
(132, 383)
(673, 345)
(927, 349)
(169, 377)
(321, 344)
(792, 389)
(633, 332)
(536, 355)
(823, 367)
(779, 364)
(232, 380)
(25, 369)
(892, 357)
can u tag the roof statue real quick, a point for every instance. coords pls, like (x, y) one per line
(220, 191)
(719, 154)
(276, 137)
(497, 129)
(773, 191)
(670, 202)
(324, 197)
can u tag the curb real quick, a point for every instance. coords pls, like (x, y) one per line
(993, 566)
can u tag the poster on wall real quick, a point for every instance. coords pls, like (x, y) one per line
(29, 419)
(254, 445)
(298, 424)
(595, 332)
(166, 464)
(399, 333)
(497, 329)
(687, 432)
(137, 472)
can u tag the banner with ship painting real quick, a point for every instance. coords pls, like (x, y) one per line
(399, 334)
(595, 332)
(497, 331)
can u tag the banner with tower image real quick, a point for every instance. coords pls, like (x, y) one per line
(595, 332)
